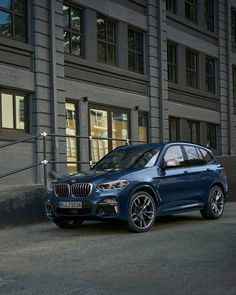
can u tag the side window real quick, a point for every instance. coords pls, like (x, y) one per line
(174, 153)
(205, 156)
(193, 158)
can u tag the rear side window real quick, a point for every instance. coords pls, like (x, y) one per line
(174, 153)
(193, 157)
(205, 156)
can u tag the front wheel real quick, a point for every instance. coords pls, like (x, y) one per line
(67, 223)
(141, 212)
(215, 206)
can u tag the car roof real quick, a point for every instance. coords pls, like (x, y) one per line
(141, 146)
(159, 145)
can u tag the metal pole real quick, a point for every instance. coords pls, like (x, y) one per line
(45, 162)
(90, 138)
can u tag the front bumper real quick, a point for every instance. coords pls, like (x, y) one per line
(107, 207)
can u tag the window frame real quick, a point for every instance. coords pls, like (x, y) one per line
(71, 31)
(109, 110)
(136, 52)
(106, 41)
(76, 103)
(174, 64)
(177, 130)
(28, 105)
(233, 25)
(13, 13)
(146, 115)
(171, 6)
(215, 145)
(194, 7)
(209, 78)
(191, 122)
(210, 15)
(234, 83)
(192, 71)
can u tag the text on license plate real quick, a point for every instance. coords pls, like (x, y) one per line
(70, 205)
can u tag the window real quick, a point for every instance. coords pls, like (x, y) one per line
(210, 75)
(191, 10)
(233, 25)
(106, 40)
(209, 15)
(193, 156)
(205, 156)
(107, 122)
(14, 112)
(174, 130)
(170, 6)
(135, 47)
(71, 142)
(143, 127)
(212, 136)
(234, 81)
(234, 84)
(73, 31)
(193, 131)
(174, 153)
(172, 62)
(13, 17)
(191, 68)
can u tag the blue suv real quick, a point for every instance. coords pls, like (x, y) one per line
(137, 183)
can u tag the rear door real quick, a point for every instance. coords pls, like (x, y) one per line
(195, 166)
(174, 182)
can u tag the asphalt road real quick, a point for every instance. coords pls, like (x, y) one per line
(182, 254)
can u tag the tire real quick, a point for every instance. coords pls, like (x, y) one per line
(141, 212)
(215, 207)
(68, 223)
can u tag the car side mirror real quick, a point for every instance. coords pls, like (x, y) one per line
(171, 164)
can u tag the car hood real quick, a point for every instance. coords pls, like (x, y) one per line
(97, 176)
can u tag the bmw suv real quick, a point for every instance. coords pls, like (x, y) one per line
(137, 183)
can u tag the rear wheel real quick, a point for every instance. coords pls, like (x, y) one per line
(215, 207)
(141, 212)
(68, 223)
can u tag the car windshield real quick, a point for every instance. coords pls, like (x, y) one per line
(129, 158)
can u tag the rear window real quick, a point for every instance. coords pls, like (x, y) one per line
(205, 156)
(194, 157)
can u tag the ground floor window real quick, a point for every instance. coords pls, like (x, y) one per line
(106, 122)
(174, 129)
(71, 142)
(193, 131)
(143, 127)
(14, 111)
(212, 136)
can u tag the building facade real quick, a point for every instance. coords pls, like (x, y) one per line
(142, 70)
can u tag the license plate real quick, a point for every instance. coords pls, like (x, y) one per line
(69, 205)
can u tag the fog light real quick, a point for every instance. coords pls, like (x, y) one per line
(110, 206)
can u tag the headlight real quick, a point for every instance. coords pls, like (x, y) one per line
(107, 186)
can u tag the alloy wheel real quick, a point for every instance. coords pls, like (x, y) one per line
(142, 211)
(217, 201)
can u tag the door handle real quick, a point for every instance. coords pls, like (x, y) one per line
(209, 170)
(185, 172)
